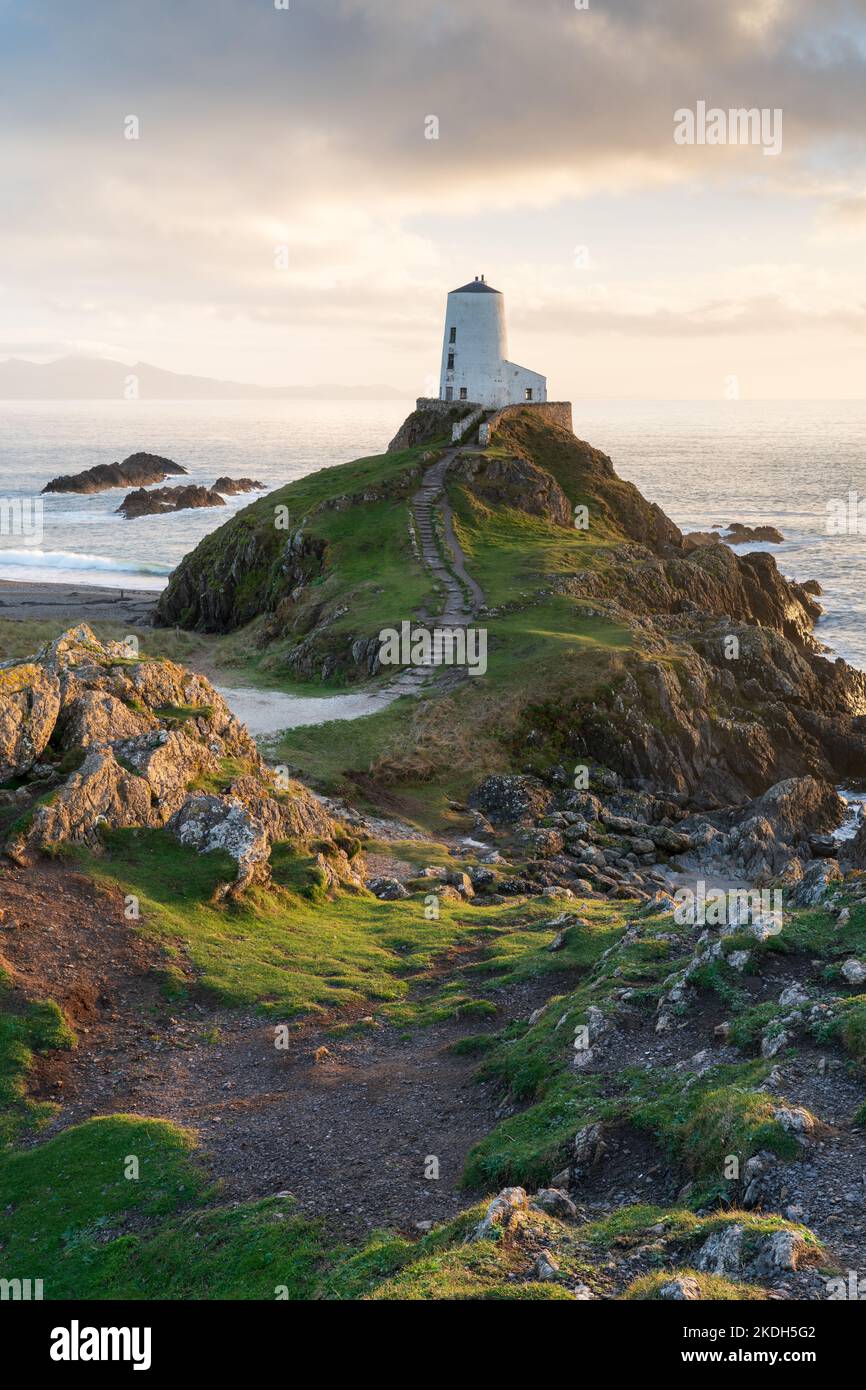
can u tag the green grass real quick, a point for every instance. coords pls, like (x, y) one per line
(702, 1121)
(180, 713)
(69, 1196)
(254, 1250)
(528, 1148)
(327, 755)
(848, 1024)
(418, 755)
(441, 1266)
(369, 557)
(712, 1286)
(289, 949)
(25, 1029)
(89, 1231)
(698, 1120)
(20, 639)
(510, 552)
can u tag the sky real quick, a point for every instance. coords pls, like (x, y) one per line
(285, 218)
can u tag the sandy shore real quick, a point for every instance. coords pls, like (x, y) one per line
(72, 603)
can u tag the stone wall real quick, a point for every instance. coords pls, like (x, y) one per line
(427, 421)
(555, 412)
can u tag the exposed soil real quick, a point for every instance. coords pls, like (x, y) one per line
(347, 1123)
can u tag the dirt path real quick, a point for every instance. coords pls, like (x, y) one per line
(348, 1130)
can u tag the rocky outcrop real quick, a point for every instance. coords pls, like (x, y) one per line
(799, 808)
(144, 735)
(714, 729)
(511, 800)
(138, 470)
(168, 499)
(852, 852)
(230, 487)
(430, 423)
(29, 706)
(735, 534)
(514, 482)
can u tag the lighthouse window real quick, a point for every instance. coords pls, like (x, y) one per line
(453, 338)
(450, 361)
(449, 393)
(464, 394)
(527, 395)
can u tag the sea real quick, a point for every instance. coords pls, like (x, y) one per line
(796, 465)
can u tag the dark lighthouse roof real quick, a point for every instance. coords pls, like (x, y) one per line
(477, 286)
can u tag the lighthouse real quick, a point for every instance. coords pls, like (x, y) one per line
(475, 365)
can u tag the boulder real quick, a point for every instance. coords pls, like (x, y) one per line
(461, 881)
(481, 878)
(546, 1268)
(138, 470)
(816, 882)
(722, 1252)
(686, 1288)
(555, 1203)
(100, 793)
(799, 807)
(389, 889)
(230, 487)
(29, 706)
(510, 800)
(161, 500)
(589, 1148)
(778, 1253)
(501, 1212)
(854, 971)
(208, 823)
(147, 731)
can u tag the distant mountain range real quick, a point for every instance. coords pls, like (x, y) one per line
(99, 379)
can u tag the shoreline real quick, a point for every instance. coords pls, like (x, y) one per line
(267, 713)
(23, 600)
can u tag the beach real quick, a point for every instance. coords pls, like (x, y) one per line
(22, 601)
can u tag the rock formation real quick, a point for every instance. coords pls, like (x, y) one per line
(162, 500)
(138, 734)
(230, 487)
(138, 470)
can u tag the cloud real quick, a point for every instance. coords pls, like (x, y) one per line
(305, 128)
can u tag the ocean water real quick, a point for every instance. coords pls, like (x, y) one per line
(706, 463)
(84, 541)
(790, 464)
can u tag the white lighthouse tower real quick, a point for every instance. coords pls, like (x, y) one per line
(475, 364)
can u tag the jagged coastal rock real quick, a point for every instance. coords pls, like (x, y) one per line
(231, 487)
(103, 740)
(138, 470)
(163, 500)
(736, 533)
